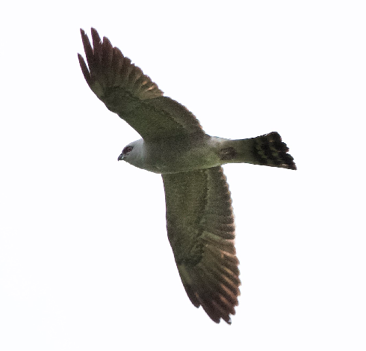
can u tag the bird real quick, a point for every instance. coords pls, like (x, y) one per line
(199, 214)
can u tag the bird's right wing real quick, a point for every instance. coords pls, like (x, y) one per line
(201, 232)
(126, 91)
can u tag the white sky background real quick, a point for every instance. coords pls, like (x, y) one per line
(85, 263)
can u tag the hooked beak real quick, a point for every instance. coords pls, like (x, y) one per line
(120, 157)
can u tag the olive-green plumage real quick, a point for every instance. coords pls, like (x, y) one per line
(200, 221)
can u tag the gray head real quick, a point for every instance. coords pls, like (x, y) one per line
(132, 153)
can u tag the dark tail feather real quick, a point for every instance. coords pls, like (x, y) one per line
(267, 150)
(270, 150)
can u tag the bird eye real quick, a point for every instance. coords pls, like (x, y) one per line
(127, 149)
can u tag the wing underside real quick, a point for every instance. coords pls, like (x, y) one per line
(127, 91)
(201, 232)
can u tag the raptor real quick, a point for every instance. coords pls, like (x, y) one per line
(199, 215)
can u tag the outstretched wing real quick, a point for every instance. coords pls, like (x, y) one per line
(201, 232)
(126, 91)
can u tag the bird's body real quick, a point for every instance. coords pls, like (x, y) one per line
(174, 155)
(200, 220)
(183, 154)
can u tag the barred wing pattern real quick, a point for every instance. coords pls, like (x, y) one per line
(201, 232)
(125, 90)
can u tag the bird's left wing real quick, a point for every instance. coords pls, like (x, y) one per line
(201, 232)
(125, 90)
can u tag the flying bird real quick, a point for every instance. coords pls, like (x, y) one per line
(199, 215)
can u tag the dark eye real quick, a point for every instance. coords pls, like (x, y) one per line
(127, 149)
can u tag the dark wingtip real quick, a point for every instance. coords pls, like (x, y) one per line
(83, 34)
(95, 36)
(84, 69)
(94, 31)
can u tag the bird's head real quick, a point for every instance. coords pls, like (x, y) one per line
(125, 152)
(132, 153)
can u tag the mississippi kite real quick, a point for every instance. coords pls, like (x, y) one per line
(199, 215)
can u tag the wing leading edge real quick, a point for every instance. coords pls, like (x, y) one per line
(125, 90)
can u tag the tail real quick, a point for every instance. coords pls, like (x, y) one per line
(267, 150)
